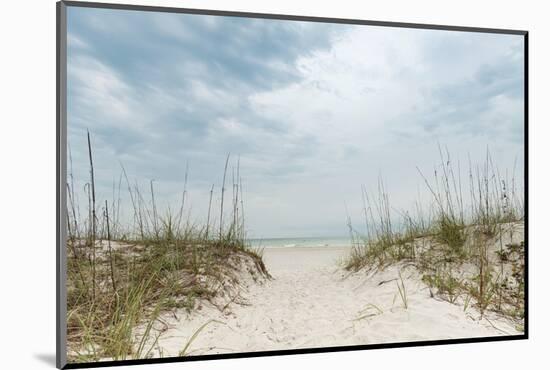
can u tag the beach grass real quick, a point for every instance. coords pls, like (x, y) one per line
(121, 277)
(465, 245)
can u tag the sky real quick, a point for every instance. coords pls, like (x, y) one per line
(312, 110)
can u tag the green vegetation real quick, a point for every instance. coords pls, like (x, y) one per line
(120, 278)
(466, 247)
(402, 291)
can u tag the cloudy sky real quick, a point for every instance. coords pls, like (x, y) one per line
(314, 110)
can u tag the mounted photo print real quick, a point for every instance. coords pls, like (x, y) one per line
(237, 184)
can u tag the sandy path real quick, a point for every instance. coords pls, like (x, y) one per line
(309, 303)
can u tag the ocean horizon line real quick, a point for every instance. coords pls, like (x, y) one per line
(314, 241)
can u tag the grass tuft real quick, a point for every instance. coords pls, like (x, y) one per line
(458, 246)
(122, 277)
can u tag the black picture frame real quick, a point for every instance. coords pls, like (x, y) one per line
(61, 175)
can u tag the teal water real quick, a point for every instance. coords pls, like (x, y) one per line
(300, 242)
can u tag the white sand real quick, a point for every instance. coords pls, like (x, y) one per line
(310, 303)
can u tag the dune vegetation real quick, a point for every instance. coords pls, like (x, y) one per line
(468, 244)
(121, 275)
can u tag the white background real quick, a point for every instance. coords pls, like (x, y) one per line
(27, 187)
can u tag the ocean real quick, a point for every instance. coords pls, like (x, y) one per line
(300, 242)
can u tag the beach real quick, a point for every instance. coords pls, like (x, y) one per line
(312, 302)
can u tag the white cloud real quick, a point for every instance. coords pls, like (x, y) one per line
(373, 82)
(97, 88)
(74, 41)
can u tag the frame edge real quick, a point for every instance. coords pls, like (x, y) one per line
(290, 17)
(61, 138)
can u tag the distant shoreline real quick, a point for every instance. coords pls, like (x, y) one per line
(301, 242)
(314, 247)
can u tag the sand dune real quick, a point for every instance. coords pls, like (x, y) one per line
(311, 303)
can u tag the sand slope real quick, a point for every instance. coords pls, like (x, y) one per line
(312, 303)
